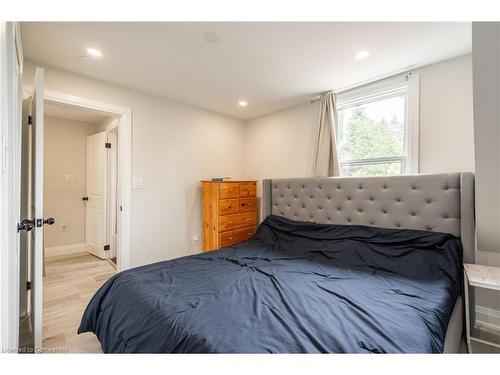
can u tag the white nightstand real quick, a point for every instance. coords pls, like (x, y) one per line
(476, 275)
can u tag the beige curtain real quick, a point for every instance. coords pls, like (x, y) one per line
(326, 159)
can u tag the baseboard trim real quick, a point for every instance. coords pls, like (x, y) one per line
(487, 318)
(65, 249)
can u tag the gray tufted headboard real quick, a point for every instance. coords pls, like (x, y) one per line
(437, 202)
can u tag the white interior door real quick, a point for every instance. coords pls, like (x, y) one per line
(36, 205)
(112, 210)
(25, 237)
(96, 203)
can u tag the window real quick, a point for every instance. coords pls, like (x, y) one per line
(378, 129)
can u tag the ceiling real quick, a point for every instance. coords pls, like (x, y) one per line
(272, 66)
(89, 116)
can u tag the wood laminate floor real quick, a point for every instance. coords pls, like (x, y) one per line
(70, 281)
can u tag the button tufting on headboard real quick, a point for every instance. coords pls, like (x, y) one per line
(413, 202)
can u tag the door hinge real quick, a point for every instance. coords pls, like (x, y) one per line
(107, 145)
(106, 247)
(28, 285)
(30, 120)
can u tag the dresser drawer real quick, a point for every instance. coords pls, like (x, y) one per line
(248, 204)
(229, 206)
(234, 237)
(229, 190)
(229, 222)
(228, 217)
(248, 189)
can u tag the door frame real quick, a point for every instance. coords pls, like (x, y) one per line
(124, 158)
(11, 68)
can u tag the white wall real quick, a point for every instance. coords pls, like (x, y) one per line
(282, 144)
(65, 152)
(446, 117)
(486, 78)
(486, 58)
(446, 128)
(173, 146)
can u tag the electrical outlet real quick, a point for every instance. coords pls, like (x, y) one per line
(195, 240)
(63, 228)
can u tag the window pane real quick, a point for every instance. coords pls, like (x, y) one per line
(390, 168)
(372, 130)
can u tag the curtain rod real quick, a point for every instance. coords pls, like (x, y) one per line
(358, 85)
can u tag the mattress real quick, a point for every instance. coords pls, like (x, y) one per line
(295, 287)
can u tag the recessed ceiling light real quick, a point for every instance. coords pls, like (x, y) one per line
(211, 38)
(242, 103)
(362, 55)
(94, 52)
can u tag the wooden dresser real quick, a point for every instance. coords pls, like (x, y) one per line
(229, 212)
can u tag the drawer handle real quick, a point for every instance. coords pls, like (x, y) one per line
(231, 206)
(230, 238)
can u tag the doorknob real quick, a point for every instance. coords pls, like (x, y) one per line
(85, 198)
(49, 221)
(26, 225)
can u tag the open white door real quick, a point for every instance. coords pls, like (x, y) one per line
(31, 225)
(36, 206)
(95, 211)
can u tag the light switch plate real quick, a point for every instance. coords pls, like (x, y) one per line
(70, 178)
(137, 183)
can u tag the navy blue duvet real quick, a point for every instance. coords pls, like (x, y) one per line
(295, 287)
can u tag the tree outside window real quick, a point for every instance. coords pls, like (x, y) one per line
(371, 138)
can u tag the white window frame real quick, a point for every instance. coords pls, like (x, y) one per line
(410, 86)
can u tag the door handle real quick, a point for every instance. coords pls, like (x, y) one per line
(85, 198)
(48, 221)
(26, 225)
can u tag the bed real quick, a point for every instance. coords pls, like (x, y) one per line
(339, 265)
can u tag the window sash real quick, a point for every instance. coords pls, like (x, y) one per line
(408, 86)
(373, 99)
(356, 101)
(381, 160)
(372, 161)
